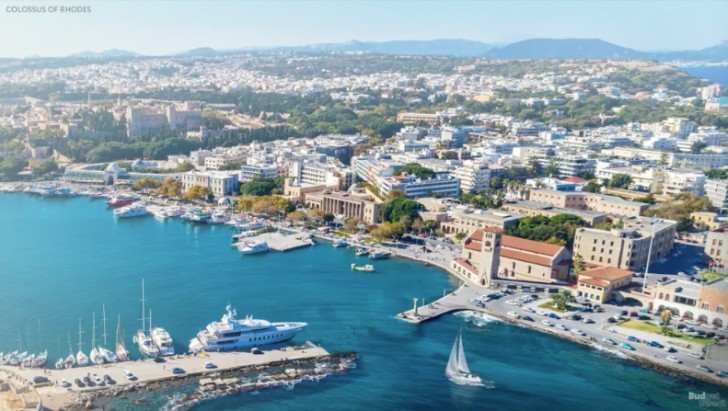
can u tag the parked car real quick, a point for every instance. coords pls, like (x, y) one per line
(554, 316)
(210, 365)
(177, 370)
(587, 321)
(704, 368)
(655, 344)
(79, 383)
(633, 339)
(611, 320)
(633, 314)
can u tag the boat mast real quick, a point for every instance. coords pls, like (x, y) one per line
(93, 330)
(143, 311)
(103, 308)
(70, 349)
(79, 335)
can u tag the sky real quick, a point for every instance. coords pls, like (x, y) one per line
(162, 27)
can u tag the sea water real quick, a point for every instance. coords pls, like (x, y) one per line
(61, 259)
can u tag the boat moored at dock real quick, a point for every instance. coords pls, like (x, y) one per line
(252, 247)
(231, 333)
(131, 211)
(121, 200)
(378, 254)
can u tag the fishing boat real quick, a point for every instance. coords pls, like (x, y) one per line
(378, 255)
(94, 354)
(108, 355)
(360, 252)
(122, 354)
(457, 369)
(218, 218)
(339, 243)
(142, 339)
(81, 358)
(367, 268)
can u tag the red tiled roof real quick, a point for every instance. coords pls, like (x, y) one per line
(463, 263)
(574, 179)
(529, 258)
(594, 281)
(606, 273)
(473, 245)
(531, 246)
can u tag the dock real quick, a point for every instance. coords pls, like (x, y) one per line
(455, 301)
(280, 242)
(54, 396)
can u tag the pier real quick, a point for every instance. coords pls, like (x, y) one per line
(54, 396)
(455, 301)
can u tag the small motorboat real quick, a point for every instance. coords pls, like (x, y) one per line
(367, 267)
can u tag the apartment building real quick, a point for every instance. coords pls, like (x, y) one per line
(716, 245)
(684, 181)
(589, 201)
(717, 192)
(626, 247)
(315, 173)
(416, 118)
(413, 187)
(251, 172)
(597, 284)
(473, 176)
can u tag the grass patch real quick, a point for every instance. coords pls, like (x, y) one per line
(651, 328)
(711, 275)
(549, 305)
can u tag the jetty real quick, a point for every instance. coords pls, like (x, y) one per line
(455, 301)
(54, 396)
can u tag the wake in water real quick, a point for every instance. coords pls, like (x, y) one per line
(610, 351)
(477, 319)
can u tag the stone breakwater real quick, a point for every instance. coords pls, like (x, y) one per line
(217, 384)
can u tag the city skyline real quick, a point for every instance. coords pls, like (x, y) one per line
(163, 28)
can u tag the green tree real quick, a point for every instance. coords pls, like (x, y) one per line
(578, 266)
(146, 183)
(10, 167)
(170, 188)
(296, 216)
(448, 155)
(716, 174)
(460, 236)
(329, 218)
(258, 187)
(664, 159)
(417, 170)
(44, 168)
(561, 300)
(351, 224)
(197, 193)
(393, 210)
(592, 186)
(697, 147)
(620, 180)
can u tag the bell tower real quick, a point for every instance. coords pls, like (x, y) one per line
(490, 255)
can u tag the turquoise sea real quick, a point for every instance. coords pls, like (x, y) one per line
(62, 259)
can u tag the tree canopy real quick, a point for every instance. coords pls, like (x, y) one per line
(393, 210)
(559, 229)
(258, 187)
(423, 173)
(620, 180)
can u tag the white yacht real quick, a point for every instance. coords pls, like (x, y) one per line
(163, 341)
(457, 369)
(131, 211)
(108, 355)
(231, 333)
(253, 247)
(81, 358)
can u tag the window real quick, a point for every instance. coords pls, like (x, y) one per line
(720, 309)
(706, 306)
(529, 269)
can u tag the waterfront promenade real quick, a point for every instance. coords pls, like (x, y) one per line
(54, 396)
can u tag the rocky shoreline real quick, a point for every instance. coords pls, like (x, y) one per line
(220, 383)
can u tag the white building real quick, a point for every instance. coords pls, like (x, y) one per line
(413, 187)
(684, 181)
(219, 182)
(717, 192)
(473, 176)
(249, 173)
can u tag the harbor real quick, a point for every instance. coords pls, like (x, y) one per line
(54, 394)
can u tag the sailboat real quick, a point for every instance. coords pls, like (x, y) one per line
(70, 360)
(142, 339)
(95, 355)
(81, 358)
(457, 369)
(122, 354)
(106, 354)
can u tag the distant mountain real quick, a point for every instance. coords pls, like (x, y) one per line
(526, 49)
(106, 53)
(439, 47)
(200, 52)
(563, 49)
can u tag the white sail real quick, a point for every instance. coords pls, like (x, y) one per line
(462, 363)
(452, 368)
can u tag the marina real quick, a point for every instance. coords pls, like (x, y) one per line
(54, 395)
(253, 280)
